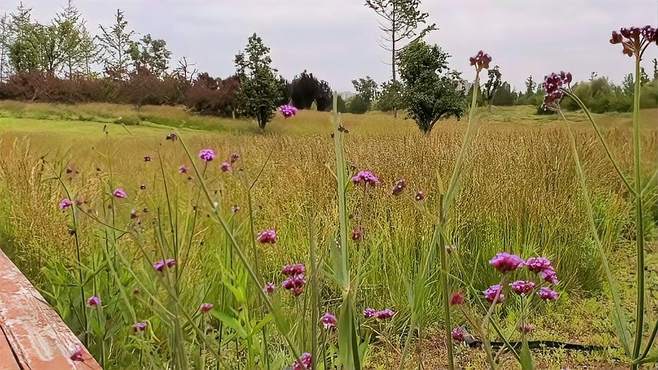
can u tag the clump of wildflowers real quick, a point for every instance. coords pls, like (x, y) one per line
(399, 187)
(226, 167)
(296, 278)
(384, 314)
(481, 60)
(207, 155)
(505, 262)
(120, 193)
(161, 265)
(369, 312)
(269, 288)
(554, 85)
(267, 236)
(304, 362)
(365, 178)
(93, 301)
(288, 110)
(458, 334)
(65, 204)
(634, 40)
(328, 320)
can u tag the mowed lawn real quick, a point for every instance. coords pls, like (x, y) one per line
(519, 193)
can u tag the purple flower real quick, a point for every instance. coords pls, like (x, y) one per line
(182, 169)
(549, 276)
(206, 307)
(304, 362)
(481, 60)
(78, 354)
(365, 178)
(399, 187)
(226, 167)
(93, 301)
(147, 158)
(328, 320)
(548, 294)
(269, 288)
(287, 110)
(554, 85)
(139, 327)
(369, 312)
(537, 264)
(457, 298)
(458, 334)
(384, 314)
(295, 284)
(420, 196)
(267, 236)
(207, 154)
(164, 264)
(634, 40)
(522, 287)
(493, 291)
(234, 157)
(65, 204)
(505, 262)
(120, 193)
(293, 269)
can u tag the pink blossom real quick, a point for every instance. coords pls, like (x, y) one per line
(481, 60)
(365, 178)
(78, 354)
(493, 291)
(458, 334)
(206, 307)
(93, 301)
(384, 314)
(293, 269)
(269, 288)
(119, 193)
(207, 154)
(505, 262)
(65, 204)
(140, 326)
(369, 312)
(182, 169)
(328, 320)
(548, 294)
(267, 236)
(288, 111)
(522, 287)
(549, 276)
(305, 362)
(537, 264)
(164, 264)
(226, 167)
(456, 298)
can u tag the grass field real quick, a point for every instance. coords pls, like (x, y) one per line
(519, 194)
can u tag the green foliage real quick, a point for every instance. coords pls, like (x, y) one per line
(431, 90)
(505, 95)
(150, 54)
(390, 97)
(366, 90)
(115, 43)
(260, 89)
(492, 85)
(357, 105)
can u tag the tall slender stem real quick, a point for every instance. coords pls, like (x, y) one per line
(639, 217)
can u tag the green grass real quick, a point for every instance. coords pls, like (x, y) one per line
(519, 194)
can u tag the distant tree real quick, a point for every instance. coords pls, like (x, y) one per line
(628, 84)
(431, 90)
(367, 89)
(400, 23)
(259, 86)
(23, 56)
(505, 95)
(655, 69)
(306, 89)
(491, 86)
(79, 50)
(530, 86)
(115, 42)
(150, 54)
(5, 43)
(390, 96)
(357, 105)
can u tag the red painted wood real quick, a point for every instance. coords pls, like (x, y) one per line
(35, 334)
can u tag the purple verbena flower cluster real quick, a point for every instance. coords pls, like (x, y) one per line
(267, 236)
(635, 40)
(207, 155)
(365, 178)
(328, 320)
(304, 362)
(481, 60)
(384, 314)
(161, 265)
(288, 110)
(505, 262)
(296, 278)
(553, 86)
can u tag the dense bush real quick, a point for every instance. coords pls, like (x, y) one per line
(306, 89)
(213, 96)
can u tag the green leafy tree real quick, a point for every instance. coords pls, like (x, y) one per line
(505, 95)
(530, 86)
(431, 90)
(401, 22)
(23, 55)
(491, 86)
(150, 54)
(79, 50)
(260, 89)
(390, 96)
(367, 90)
(115, 42)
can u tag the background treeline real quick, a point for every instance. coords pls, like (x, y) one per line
(64, 61)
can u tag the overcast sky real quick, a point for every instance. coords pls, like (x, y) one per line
(337, 40)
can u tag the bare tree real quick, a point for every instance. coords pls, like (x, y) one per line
(115, 43)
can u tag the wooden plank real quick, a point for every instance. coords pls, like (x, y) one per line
(7, 359)
(37, 336)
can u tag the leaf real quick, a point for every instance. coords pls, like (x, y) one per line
(525, 357)
(231, 322)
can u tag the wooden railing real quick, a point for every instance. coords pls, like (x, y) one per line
(32, 335)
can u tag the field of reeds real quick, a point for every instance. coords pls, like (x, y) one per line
(519, 193)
